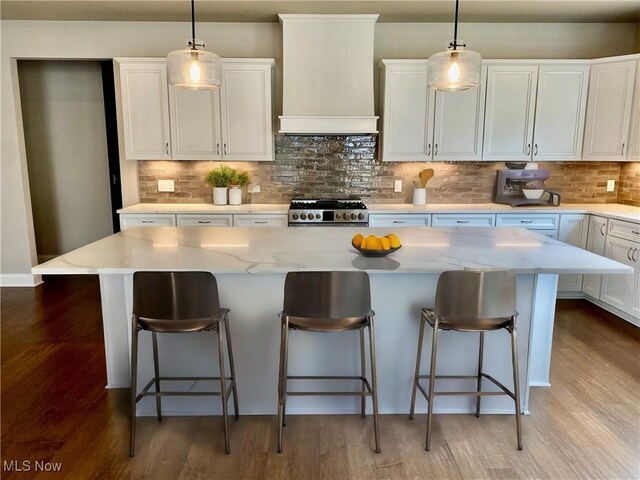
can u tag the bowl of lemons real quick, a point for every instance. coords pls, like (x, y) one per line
(372, 246)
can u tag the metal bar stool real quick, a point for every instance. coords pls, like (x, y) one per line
(328, 302)
(470, 301)
(178, 302)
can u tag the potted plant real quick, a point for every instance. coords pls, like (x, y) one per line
(219, 179)
(239, 180)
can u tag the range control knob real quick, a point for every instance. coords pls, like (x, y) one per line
(360, 216)
(318, 216)
(353, 216)
(296, 216)
(338, 216)
(303, 216)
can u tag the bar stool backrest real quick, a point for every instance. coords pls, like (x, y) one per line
(330, 295)
(470, 294)
(175, 295)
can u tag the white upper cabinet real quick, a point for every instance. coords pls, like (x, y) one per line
(633, 152)
(560, 111)
(144, 108)
(509, 114)
(609, 110)
(195, 124)
(405, 106)
(246, 110)
(420, 124)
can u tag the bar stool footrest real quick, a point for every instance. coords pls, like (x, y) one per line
(369, 391)
(145, 391)
(505, 390)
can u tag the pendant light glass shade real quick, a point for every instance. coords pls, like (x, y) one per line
(195, 69)
(454, 69)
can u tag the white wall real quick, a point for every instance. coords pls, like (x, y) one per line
(66, 145)
(101, 40)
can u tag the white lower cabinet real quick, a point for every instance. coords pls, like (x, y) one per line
(596, 243)
(266, 220)
(464, 220)
(399, 220)
(211, 220)
(573, 230)
(128, 220)
(619, 290)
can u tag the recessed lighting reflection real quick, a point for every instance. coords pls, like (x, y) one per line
(224, 245)
(432, 244)
(155, 244)
(519, 244)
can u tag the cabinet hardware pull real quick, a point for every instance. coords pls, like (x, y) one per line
(635, 233)
(526, 221)
(601, 229)
(435, 151)
(204, 221)
(218, 148)
(224, 147)
(399, 221)
(462, 221)
(146, 221)
(429, 150)
(633, 255)
(528, 149)
(166, 148)
(629, 254)
(535, 150)
(623, 145)
(260, 221)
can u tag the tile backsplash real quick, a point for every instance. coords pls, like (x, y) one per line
(349, 165)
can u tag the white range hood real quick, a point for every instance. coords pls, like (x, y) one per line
(328, 73)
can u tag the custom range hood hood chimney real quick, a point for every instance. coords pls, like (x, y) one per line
(328, 74)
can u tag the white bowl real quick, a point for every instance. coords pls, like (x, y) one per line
(532, 194)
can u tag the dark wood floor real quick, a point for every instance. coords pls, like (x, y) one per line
(55, 409)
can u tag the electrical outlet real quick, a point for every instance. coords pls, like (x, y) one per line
(165, 186)
(611, 185)
(254, 189)
(397, 186)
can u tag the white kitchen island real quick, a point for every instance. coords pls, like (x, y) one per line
(250, 265)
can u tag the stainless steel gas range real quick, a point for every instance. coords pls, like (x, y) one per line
(335, 212)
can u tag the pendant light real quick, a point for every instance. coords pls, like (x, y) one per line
(454, 69)
(193, 68)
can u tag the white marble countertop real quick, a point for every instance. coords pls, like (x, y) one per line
(611, 210)
(280, 250)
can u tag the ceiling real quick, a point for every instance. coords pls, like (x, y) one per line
(497, 11)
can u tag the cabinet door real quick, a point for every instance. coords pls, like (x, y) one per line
(407, 110)
(463, 220)
(128, 220)
(195, 124)
(270, 220)
(573, 230)
(617, 290)
(509, 113)
(204, 220)
(608, 111)
(596, 236)
(459, 123)
(399, 220)
(633, 152)
(246, 108)
(145, 109)
(634, 304)
(560, 110)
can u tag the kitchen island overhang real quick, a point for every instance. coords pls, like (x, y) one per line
(250, 265)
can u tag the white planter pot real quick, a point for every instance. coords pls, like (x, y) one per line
(235, 196)
(419, 196)
(219, 195)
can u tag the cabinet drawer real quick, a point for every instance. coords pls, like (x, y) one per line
(626, 230)
(473, 220)
(274, 220)
(216, 220)
(403, 220)
(128, 220)
(536, 222)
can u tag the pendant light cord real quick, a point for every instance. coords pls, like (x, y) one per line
(455, 27)
(193, 24)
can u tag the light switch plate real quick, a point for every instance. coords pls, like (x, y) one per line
(165, 186)
(254, 188)
(397, 186)
(611, 185)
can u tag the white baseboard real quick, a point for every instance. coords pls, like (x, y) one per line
(539, 384)
(568, 295)
(19, 280)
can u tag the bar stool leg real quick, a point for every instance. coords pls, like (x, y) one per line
(284, 378)
(223, 392)
(416, 377)
(363, 373)
(281, 381)
(516, 382)
(374, 384)
(479, 389)
(232, 368)
(432, 381)
(156, 370)
(134, 386)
